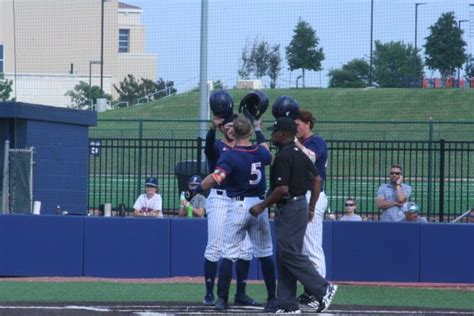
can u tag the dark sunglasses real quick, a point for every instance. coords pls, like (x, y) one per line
(397, 173)
(347, 204)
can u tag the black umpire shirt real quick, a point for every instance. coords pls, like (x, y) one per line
(292, 168)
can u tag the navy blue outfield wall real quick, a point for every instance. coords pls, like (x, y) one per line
(49, 245)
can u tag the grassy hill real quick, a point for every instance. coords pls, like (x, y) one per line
(351, 107)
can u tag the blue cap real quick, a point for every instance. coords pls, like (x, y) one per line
(195, 180)
(151, 182)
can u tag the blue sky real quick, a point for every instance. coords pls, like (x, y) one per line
(343, 27)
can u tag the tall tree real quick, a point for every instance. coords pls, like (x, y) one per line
(444, 47)
(303, 52)
(255, 59)
(274, 65)
(396, 65)
(469, 68)
(354, 74)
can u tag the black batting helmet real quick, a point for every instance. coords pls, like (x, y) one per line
(221, 103)
(285, 106)
(254, 104)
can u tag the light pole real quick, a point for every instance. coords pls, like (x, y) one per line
(102, 47)
(92, 62)
(371, 39)
(459, 68)
(416, 25)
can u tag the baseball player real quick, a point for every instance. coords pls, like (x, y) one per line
(218, 202)
(243, 170)
(316, 149)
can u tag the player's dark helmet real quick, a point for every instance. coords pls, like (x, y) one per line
(254, 104)
(285, 106)
(221, 103)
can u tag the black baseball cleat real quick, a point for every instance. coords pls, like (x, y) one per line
(305, 298)
(208, 300)
(327, 299)
(220, 304)
(245, 300)
(271, 306)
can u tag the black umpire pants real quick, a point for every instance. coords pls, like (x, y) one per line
(290, 226)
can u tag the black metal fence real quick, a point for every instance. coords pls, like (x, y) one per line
(441, 173)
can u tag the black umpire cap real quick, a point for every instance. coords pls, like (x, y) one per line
(283, 124)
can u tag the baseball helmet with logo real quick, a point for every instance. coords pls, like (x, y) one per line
(285, 106)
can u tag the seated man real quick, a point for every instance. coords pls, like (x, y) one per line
(194, 203)
(349, 214)
(150, 203)
(411, 214)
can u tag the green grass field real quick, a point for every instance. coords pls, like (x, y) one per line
(388, 108)
(132, 292)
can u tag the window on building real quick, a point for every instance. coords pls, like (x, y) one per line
(124, 40)
(1, 58)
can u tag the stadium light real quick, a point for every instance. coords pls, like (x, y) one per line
(92, 62)
(416, 24)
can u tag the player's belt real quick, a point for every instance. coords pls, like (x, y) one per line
(241, 198)
(292, 199)
(220, 192)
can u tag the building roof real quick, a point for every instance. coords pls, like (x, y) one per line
(122, 5)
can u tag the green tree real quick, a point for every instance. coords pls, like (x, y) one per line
(303, 52)
(254, 60)
(274, 65)
(82, 94)
(469, 68)
(5, 88)
(354, 74)
(444, 47)
(396, 65)
(129, 89)
(132, 90)
(218, 85)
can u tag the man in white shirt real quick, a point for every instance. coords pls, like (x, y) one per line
(150, 203)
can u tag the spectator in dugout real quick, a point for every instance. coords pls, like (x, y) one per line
(150, 203)
(195, 203)
(350, 209)
(393, 195)
(411, 210)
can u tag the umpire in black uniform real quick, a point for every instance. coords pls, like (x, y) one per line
(289, 176)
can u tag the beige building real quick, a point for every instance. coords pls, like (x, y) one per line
(58, 44)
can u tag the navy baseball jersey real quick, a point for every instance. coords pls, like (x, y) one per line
(317, 145)
(213, 150)
(244, 170)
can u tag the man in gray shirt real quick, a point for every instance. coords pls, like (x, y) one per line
(391, 196)
(411, 214)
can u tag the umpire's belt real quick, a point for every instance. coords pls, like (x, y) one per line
(241, 198)
(292, 199)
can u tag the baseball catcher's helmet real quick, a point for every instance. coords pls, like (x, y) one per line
(285, 106)
(253, 105)
(221, 103)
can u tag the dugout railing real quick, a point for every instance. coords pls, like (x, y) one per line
(441, 173)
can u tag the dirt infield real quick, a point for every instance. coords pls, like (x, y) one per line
(171, 308)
